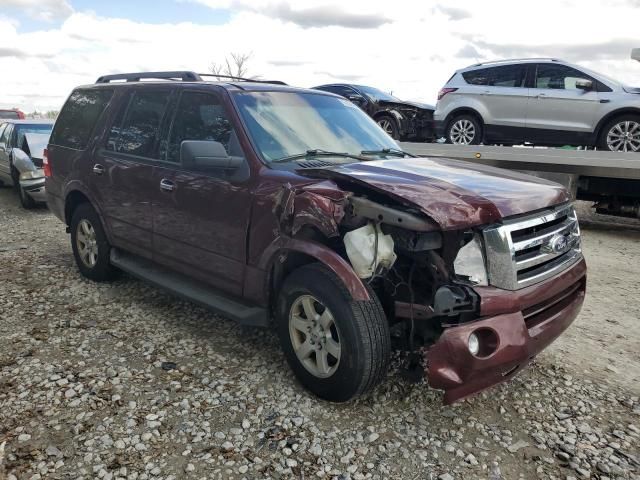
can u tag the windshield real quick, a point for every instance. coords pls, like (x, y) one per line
(377, 95)
(12, 114)
(22, 129)
(282, 124)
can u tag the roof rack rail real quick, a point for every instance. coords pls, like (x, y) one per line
(241, 79)
(508, 60)
(184, 76)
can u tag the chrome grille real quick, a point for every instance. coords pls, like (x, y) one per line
(527, 250)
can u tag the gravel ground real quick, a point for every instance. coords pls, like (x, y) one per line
(123, 381)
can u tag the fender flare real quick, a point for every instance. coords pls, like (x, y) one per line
(78, 186)
(609, 116)
(330, 259)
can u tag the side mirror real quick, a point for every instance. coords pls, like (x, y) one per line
(205, 155)
(584, 84)
(357, 99)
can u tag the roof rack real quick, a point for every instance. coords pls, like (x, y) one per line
(136, 77)
(241, 79)
(509, 60)
(184, 76)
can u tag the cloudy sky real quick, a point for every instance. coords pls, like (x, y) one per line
(409, 48)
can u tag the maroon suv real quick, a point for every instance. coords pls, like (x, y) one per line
(290, 208)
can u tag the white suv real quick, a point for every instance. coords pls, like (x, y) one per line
(541, 101)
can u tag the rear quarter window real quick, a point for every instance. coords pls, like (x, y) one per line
(79, 117)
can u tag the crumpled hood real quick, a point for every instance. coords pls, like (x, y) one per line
(454, 193)
(405, 104)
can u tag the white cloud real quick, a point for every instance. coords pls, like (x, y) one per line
(44, 10)
(413, 54)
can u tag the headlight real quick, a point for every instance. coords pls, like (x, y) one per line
(32, 174)
(470, 263)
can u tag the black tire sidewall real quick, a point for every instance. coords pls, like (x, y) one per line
(476, 123)
(345, 382)
(602, 141)
(102, 270)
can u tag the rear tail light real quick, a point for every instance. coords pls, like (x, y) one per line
(45, 163)
(444, 91)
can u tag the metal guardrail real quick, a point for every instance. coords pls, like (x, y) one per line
(592, 163)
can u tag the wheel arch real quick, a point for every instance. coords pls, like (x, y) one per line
(463, 111)
(282, 258)
(604, 121)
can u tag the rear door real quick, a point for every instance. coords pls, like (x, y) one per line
(557, 105)
(200, 218)
(503, 94)
(122, 170)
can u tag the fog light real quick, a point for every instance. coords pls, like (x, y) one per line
(474, 344)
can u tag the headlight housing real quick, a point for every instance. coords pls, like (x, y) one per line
(32, 174)
(470, 264)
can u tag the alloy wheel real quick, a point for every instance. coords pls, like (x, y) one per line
(86, 243)
(462, 132)
(314, 336)
(386, 126)
(624, 137)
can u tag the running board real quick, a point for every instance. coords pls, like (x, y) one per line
(189, 289)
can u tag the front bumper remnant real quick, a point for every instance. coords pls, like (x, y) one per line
(521, 323)
(34, 187)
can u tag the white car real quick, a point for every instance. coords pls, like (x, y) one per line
(541, 101)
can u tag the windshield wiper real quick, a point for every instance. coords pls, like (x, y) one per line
(388, 151)
(316, 152)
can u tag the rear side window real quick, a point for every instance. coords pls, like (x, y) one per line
(140, 129)
(503, 76)
(79, 117)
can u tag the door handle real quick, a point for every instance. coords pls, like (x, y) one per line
(167, 185)
(98, 169)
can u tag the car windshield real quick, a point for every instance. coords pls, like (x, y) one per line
(22, 129)
(283, 124)
(12, 114)
(376, 94)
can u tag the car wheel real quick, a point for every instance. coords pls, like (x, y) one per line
(389, 125)
(25, 199)
(90, 246)
(464, 130)
(337, 347)
(622, 134)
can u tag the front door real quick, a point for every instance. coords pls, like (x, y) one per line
(122, 169)
(558, 111)
(201, 218)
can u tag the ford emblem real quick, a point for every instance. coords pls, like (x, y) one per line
(557, 244)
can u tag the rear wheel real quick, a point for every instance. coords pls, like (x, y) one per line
(90, 246)
(389, 125)
(464, 130)
(337, 347)
(622, 134)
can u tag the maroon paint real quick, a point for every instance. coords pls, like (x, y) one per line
(455, 194)
(452, 368)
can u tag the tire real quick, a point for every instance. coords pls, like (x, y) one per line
(25, 199)
(616, 129)
(360, 328)
(389, 125)
(464, 130)
(92, 261)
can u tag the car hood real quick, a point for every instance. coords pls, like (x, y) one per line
(453, 193)
(405, 104)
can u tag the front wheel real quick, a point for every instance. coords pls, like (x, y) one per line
(621, 135)
(337, 347)
(26, 200)
(464, 130)
(389, 125)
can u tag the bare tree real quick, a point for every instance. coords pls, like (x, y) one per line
(235, 65)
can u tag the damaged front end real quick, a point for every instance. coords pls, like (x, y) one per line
(433, 282)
